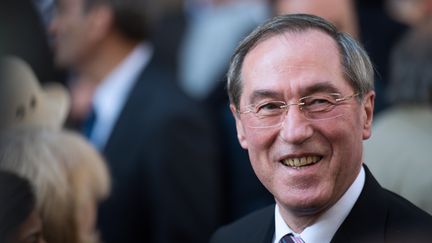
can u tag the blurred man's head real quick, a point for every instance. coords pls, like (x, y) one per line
(341, 13)
(80, 27)
(411, 73)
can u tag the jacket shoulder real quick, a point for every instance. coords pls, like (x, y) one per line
(257, 226)
(406, 220)
(380, 215)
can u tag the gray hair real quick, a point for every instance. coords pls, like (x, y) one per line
(357, 67)
(411, 73)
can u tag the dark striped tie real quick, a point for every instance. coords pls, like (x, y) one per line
(290, 238)
(88, 124)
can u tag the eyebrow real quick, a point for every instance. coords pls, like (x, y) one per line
(325, 86)
(264, 93)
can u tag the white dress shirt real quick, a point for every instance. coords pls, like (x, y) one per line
(323, 230)
(111, 95)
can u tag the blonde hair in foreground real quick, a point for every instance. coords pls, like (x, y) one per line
(69, 178)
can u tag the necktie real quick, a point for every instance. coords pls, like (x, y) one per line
(89, 123)
(290, 238)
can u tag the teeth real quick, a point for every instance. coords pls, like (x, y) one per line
(298, 162)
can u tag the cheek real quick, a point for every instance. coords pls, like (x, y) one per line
(69, 26)
(66, 24)
(260, 142)
(260, 138)
(345, 138)
(259, 149)
(257, 143)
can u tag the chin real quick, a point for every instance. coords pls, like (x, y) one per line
(304, 202)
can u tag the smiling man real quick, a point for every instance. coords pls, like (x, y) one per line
(302, 96)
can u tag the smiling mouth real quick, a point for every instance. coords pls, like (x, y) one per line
(301, 161)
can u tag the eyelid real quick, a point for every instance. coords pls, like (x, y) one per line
(279, 102)
(252, 107)
(261, 95)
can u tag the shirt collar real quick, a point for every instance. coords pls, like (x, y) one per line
(327, 224)
(111, 95)
(120, 80)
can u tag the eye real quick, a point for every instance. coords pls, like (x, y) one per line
(270, 108)
(317, 103)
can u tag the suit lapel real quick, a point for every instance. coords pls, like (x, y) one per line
(131, 114)
(268, 238)
(265, 233)
(367, 219)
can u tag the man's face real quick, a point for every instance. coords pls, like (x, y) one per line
(70, 29)
(287, 67)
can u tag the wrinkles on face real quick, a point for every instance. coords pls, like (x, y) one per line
(287, 68)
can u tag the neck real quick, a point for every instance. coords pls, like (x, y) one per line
(105, 57)
(299, 220)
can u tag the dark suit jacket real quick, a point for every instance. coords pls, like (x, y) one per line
(378, 216)
(164, 167)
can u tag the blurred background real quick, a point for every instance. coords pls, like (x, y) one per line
(192, 41)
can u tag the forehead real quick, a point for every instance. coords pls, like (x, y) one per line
(292, 63)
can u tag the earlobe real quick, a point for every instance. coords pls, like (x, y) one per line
(240, 129)
(368, 106)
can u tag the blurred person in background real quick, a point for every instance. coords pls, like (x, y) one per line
(23, 34)
(19, 220)
(24, 101)
(68, 175)
(379, 33)
(410, 12)
(158, 143)
(399, 152)
(170, 27)
(365, 20)
(342, 13)
(214, 28)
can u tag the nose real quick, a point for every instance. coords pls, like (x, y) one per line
(296, 129)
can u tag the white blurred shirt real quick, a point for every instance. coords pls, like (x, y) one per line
(111, 95)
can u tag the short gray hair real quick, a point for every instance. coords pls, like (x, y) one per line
(357, 67)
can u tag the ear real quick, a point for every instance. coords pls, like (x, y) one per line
(100, 21)
(367, 116)
(240, 129)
